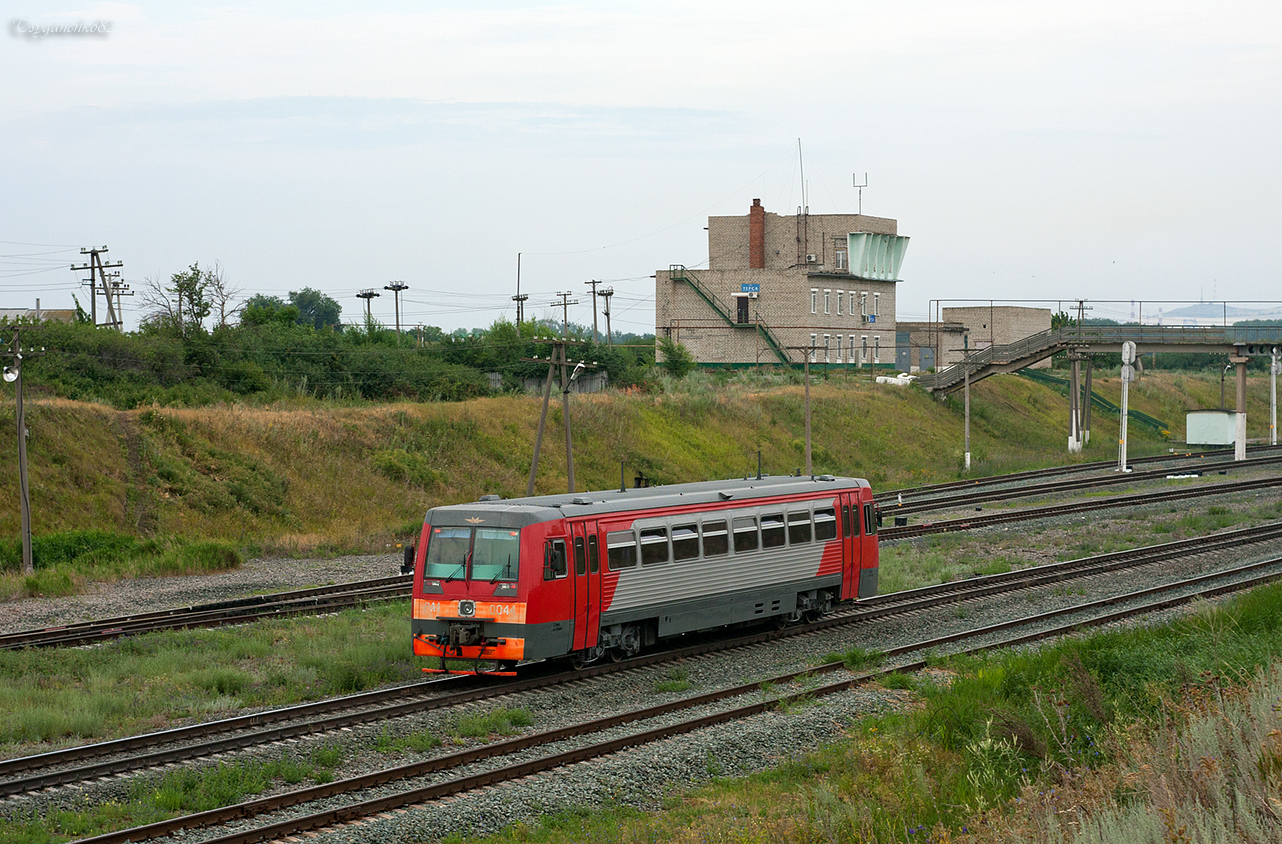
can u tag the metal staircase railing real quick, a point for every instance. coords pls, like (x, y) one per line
(678, 272)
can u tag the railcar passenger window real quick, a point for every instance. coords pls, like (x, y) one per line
(870, 519)
(798, 528)
(745, 534)
(825, 524)
(593, 565)
(621, 550)
(772, 530)
(580, 558)
(654, 546)
(715, 539)
(685, 542)
(554, 564)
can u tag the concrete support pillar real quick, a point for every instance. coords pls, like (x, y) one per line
(1086, 402)
(1074, 397)
(1239, 440)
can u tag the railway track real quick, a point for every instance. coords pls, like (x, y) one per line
(1028, 629)
(87, 762)
(1069, 508)
(1070, 469)
(313, 601)
(981, 496)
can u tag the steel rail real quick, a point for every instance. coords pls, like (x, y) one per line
(467, 783)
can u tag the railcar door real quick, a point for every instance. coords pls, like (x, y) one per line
(587, 584)
(849, 546)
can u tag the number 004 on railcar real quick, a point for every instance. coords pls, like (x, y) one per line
(588, 575)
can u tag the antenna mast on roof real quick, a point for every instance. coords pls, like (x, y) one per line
(861, 192)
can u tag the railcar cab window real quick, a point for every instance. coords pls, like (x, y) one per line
(468, 553)
(825, 524)
(772, 530)
(745, 534)
(799, 528)
(554, 562)
(621, 550)
(654, 546)
(685, 542)
(715, 539)
(870, 519)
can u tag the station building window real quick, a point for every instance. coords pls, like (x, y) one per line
(814, 300)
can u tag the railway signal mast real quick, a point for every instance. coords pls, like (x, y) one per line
(1128, 375)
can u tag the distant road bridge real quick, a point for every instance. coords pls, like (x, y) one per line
(1238, 343)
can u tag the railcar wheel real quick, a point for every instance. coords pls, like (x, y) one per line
(579, 660)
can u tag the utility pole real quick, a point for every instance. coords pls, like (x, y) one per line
(1275, 369)
(367, 295)
(966, 373)
(13, 375)
(808, 353)
(565, 304)
(396, 287)
(606, 293)
(519, 298)
(558, 358)
(594, 283)
(98, 274)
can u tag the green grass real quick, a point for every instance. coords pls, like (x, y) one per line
(180, 792)
(677, 679)
(154, 681)
(500, 722)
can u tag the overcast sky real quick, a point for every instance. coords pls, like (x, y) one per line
(1108, 150)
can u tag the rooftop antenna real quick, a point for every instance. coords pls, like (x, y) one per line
(802, 161)
(860, 188)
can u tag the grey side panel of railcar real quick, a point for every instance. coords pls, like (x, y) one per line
(868, 582)
(711, 577)
(710, 611)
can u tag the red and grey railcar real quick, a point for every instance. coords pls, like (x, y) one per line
(589, 575)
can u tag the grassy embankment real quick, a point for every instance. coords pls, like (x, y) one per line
(319, 478)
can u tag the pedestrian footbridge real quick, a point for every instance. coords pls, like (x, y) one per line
(1239, 342)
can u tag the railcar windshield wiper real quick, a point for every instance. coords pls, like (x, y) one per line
(505, 572)
(462, 565)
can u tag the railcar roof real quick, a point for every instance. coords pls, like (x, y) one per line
(545, 507)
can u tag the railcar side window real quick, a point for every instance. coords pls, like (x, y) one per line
(799, 528)
(654, 546)
(685, 542)
(745, 534)
(580, 558)
(593, 565)
(772, 530)
(554, 563)
(715, 539)
(621, 550)
(825, 524)
(870, 519)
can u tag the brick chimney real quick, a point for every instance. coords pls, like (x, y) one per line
(757, 236)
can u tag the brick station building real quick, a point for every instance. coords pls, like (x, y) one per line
(775, 284)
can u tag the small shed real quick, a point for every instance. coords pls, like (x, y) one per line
(1210, 427)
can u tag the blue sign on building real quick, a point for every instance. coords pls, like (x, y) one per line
(872, 317)
(749, 288)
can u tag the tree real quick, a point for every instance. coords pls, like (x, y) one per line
(677, 360)
(315, 308)
(222, 295)
(1061, 319)
(182, 306)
